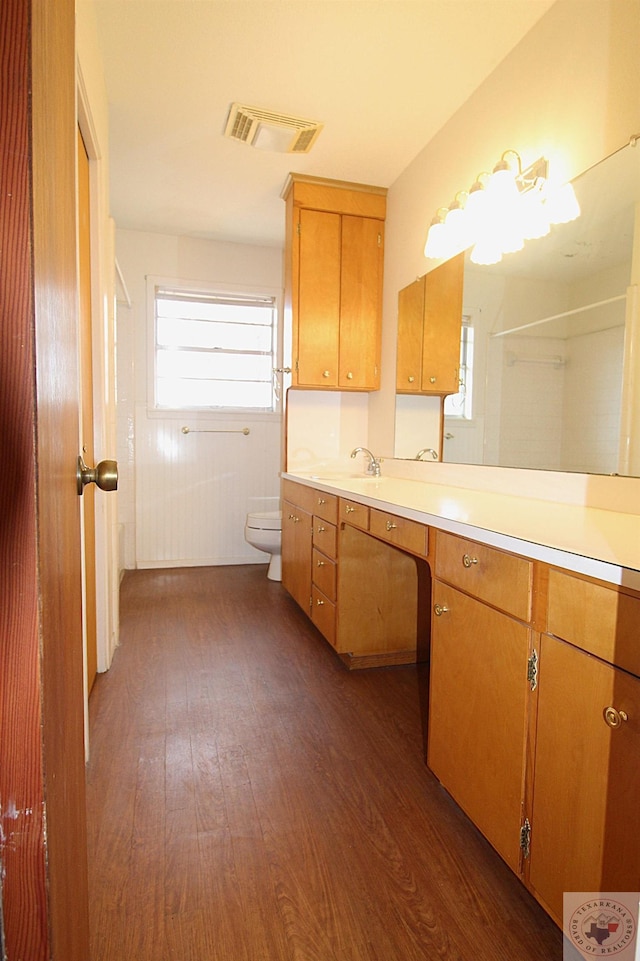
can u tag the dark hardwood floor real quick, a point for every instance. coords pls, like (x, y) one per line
(249, 799)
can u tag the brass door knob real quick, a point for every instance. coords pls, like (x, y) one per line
(440, 609)
(614, 718)
(104, 475)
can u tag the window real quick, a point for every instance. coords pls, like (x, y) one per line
(460, 405)
(213, 350)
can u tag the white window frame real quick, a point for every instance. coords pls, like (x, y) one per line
(468, 324)
(208, 289)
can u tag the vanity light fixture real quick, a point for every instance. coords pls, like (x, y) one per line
(500, 211)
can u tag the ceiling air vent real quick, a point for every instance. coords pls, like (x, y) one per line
(267, 130)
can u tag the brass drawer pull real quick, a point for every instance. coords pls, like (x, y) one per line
(349, 510)
(321, 530)
(319, 603)
(614, 718)
(469, 561)
(321, 500)
(325, 373)
(440, 609)
(320, 564)
(391, 526)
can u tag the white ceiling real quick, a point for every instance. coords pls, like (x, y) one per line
(382, 75)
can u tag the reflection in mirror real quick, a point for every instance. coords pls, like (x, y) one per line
(548, 327)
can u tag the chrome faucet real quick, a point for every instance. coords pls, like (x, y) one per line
(373, 467)
(427, 450)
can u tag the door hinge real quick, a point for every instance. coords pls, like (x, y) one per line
(525, 838)
(532, 670)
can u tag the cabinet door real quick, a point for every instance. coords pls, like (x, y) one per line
(318, 315)
(361, 303)
(442, 327)
(585, 822)
(296, 553)
(410, 324)
(478, 713)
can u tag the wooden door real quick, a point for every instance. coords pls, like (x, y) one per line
(478, 714)
(585, 823)
(361, 303)
(410, 325)
(442, 327)
(86, 417)
(45, 901)
(318, 314)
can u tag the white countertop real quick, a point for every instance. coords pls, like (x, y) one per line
(589, 540)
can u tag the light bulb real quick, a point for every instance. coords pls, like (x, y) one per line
(486, 252)
(562, 204)
(436, 245)
(535, 216)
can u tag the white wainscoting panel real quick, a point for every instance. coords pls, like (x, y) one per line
(193, 490)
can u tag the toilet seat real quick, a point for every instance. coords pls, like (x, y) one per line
(265, 520)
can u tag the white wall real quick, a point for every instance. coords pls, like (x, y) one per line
(183, 498)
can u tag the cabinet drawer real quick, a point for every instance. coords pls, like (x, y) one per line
(501, 579)
(596, 618)
(324, 574)
(399, 531)
(311, 500)
(325, 536)
(355, 514)
(299, 494)
(326, 506)
(323, 615)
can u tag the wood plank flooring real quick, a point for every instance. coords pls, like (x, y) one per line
(249, 799)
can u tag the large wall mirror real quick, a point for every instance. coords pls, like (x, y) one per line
(550, 330)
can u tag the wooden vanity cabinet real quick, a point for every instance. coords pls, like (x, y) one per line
(534, 704)
(360, 592)
(429, 327)
(479, 693)
(585, 815)
(333, 282)
(309, 552)
(324, 568)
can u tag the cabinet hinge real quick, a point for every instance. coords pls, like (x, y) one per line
(525, 838)
(379, 240)
(297, 368)
(532, 670)
(299, 228)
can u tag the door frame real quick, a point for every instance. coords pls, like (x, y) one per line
(103, 294)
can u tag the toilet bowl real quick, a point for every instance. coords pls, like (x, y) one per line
(263, 530)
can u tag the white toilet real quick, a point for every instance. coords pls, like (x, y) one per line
(263, 530)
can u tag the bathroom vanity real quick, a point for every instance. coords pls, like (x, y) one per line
(534, 651)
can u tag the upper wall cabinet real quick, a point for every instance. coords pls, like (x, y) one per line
(429, 323)
(333, 282)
